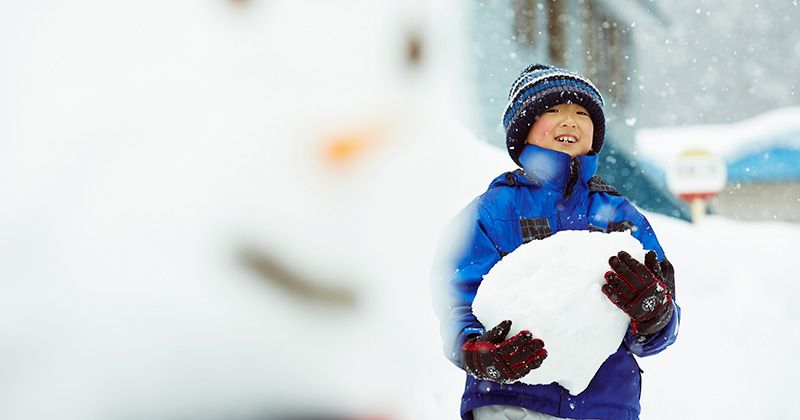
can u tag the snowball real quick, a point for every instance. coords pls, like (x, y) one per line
(552, 287)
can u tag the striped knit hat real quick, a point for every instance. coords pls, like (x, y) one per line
(540, 87)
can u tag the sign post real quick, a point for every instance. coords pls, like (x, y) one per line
(695, 176)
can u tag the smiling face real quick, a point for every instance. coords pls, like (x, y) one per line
(565, 128)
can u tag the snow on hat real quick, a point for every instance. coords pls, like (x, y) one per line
(540, 87)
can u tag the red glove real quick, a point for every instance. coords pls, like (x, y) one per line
(490, 356)
(643, 291)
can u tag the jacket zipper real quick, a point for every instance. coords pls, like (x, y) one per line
(574, 174)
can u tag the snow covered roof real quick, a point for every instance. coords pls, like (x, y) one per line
(777, 128)
(763, 148)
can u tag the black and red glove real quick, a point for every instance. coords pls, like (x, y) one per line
(490, 356)
(643, 291)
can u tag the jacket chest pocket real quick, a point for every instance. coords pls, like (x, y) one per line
(534, 228)
(621, 226)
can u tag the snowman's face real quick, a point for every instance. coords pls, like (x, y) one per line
(200, 200)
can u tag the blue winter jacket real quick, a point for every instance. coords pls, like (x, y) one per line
(553, 192)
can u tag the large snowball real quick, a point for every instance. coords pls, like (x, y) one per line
(552, 288)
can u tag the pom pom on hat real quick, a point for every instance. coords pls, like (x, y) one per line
(539, 87)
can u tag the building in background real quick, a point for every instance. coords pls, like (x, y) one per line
(761, 155)
(592, 37)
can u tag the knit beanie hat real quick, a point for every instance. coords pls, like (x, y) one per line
(540, 87)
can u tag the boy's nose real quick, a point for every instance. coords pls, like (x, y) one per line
(568, 122)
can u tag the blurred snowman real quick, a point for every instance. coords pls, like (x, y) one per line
(225, 209)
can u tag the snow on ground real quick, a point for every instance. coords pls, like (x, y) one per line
(736, 354)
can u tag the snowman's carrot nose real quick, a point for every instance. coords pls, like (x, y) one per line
(346, 148)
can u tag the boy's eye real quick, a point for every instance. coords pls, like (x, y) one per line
(552, 110)
(583, 113)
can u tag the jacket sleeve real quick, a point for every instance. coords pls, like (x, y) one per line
(628, 215)
(648, 345)
(643, 346)
(466, 253)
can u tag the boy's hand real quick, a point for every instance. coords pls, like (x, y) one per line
(490, 356)
(643, 291)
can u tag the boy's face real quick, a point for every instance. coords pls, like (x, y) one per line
(564, 128)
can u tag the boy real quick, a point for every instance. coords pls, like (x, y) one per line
(555, 127)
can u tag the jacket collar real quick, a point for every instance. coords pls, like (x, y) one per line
(551, 169)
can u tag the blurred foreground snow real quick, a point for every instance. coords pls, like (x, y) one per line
(224, 210)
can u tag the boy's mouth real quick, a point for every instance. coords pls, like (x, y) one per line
(566, 139)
